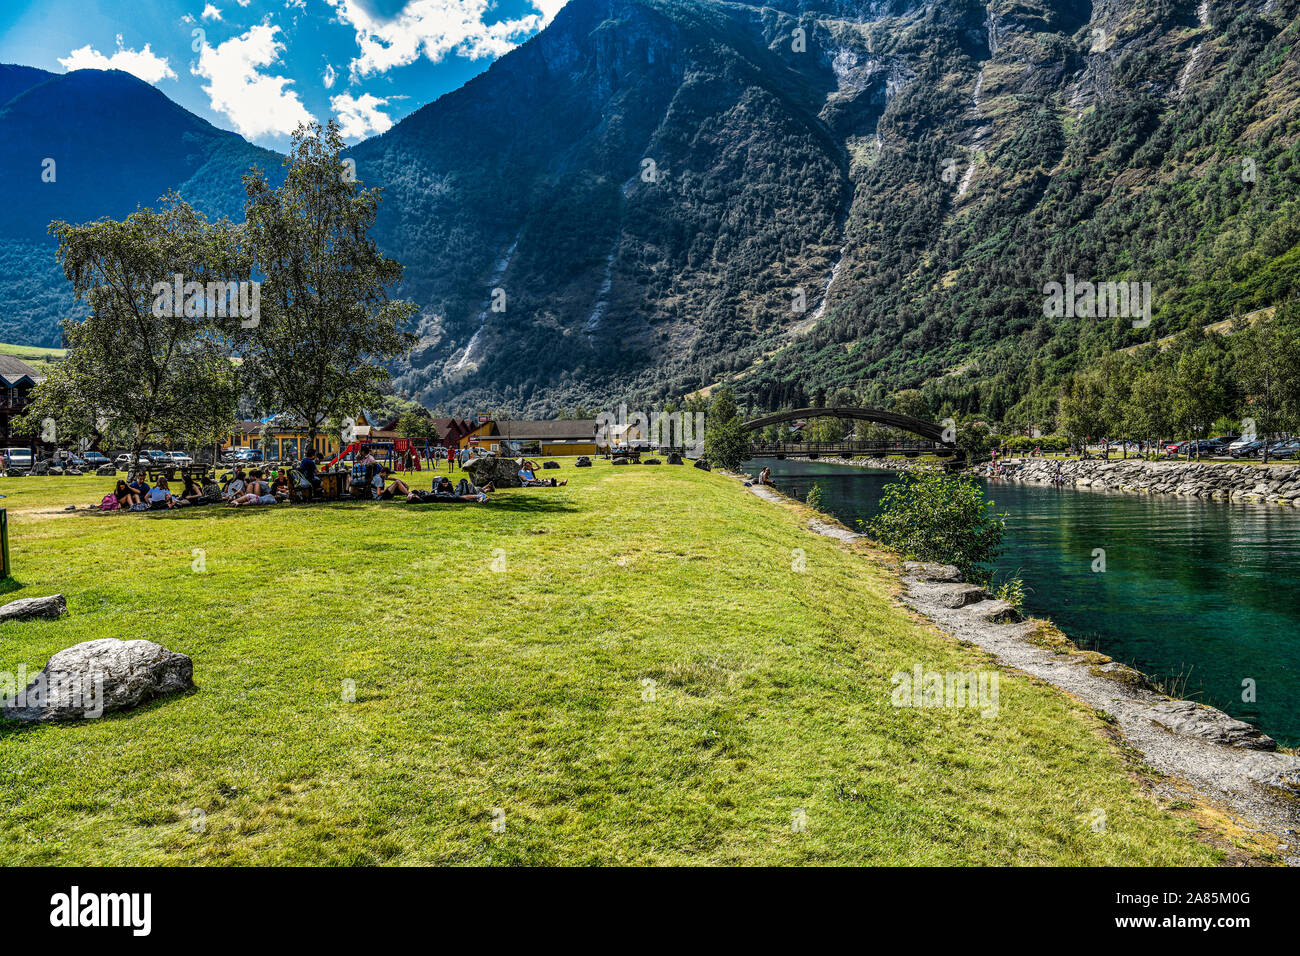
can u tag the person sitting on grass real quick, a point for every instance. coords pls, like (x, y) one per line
(193, 494)
(235, 486)
(308, 466)
(258, 492)
(161, 496)
(139, 487)
(382, 492)
(528, 476)
(124, 495)
(280, 487)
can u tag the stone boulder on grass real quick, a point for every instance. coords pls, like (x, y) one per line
(89, 680)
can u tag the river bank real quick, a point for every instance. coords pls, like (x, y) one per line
(1223, 763)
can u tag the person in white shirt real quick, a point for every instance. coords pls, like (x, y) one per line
(160, 496)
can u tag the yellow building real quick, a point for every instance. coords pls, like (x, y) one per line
(282, 444)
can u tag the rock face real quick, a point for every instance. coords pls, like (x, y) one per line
(500, 472)
(53, 606)
(1197, 720)
(95, 678)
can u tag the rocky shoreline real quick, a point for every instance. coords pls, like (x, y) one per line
(1279, 484)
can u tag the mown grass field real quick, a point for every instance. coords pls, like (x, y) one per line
(526, 690)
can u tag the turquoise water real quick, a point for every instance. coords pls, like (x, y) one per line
(1198, 590)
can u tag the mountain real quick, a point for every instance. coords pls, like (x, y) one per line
(653, 196)
(915, 172)
(87, 144)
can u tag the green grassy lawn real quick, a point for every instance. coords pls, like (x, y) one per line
(526, 690)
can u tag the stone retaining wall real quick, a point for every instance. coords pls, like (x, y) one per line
(1236, 482)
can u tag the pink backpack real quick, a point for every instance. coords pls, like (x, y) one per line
(109, 503)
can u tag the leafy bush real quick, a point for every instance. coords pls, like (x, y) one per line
(1019, 443)
(814, 497)
(930, 516)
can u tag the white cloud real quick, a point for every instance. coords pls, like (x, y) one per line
(142, 63)
(210, 13)
(361, 115)
(257, 104)
(329, 76)
(435, 28)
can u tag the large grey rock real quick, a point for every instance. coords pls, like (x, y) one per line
(106, 471)
(53, 606)
(674, 459)
(958, 595)
(702, 463)
(500, 472)
(582, 462)
(98, 677)
(927, 571)
(994, 612)
(1197, 720)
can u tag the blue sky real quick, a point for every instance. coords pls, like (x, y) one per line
(259, 67)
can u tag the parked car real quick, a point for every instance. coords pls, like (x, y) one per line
(180, 459)
(243, 455)
(1287, 448)
(92, 459)
(1250, 450)
(1238, 445)
(18, 459)
(123, 462)
(1175, 448)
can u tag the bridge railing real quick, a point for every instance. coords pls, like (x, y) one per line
(872, 448)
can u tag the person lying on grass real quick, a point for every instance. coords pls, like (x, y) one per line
(258, 492)
(380, 492)
(443, 491)
(528, 475)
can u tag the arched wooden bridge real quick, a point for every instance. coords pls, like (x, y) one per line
(929, 441)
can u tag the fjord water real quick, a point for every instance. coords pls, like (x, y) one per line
(1203, 590)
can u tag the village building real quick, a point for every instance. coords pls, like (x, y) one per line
(550, 439)
(17, 379)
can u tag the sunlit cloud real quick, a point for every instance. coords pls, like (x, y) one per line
(258, 104)
(435, 28)
(145, 64)
(360, 116)
(210, 13)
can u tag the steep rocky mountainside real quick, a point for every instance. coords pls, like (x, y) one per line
(652, 197)
(657, 187)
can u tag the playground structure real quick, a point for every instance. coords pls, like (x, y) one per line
(396, 454)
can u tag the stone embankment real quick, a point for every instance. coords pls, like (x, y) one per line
(1278, 484)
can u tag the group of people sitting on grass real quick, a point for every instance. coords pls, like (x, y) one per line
(259, 487)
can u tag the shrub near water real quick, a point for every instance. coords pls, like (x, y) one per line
(929, 516)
